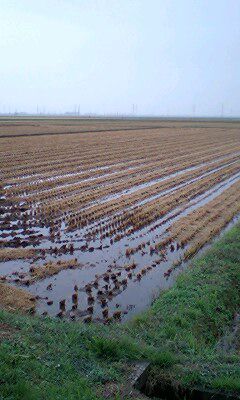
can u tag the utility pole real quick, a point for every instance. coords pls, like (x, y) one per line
(222, 109)
(194, 110)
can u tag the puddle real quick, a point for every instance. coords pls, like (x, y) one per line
(110, 284)
(129, 298)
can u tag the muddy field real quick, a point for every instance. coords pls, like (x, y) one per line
(98, 216)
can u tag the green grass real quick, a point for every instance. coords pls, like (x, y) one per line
(191, 318)
(51, 359)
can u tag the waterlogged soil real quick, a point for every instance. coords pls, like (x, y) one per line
(100, 269)
(107, 284)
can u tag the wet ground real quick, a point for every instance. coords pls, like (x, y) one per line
(88, 197)
(109, 282)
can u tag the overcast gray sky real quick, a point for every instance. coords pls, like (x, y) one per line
(173, 57)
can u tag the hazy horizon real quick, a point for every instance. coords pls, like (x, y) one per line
(176, 58)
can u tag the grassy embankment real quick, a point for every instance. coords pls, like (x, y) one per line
(180, 333)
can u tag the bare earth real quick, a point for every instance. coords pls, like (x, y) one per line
(101, 215)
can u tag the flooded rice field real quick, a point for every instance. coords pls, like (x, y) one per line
(96, 218)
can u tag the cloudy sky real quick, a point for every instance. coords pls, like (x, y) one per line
(167, 57)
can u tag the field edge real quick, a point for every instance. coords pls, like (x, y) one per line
(181, 334)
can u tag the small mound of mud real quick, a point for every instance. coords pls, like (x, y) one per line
(7, 254)
(15, 299)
